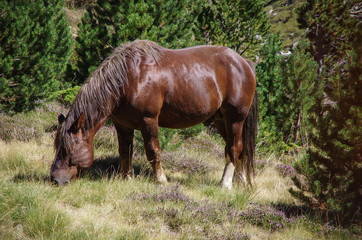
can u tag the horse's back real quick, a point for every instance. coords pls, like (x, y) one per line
(188, 86)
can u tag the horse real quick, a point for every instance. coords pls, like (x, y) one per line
(143, 86)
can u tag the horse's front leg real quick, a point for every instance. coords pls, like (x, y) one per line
(125, 149)
(149, 130)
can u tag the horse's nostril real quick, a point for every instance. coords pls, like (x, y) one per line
(60, 182)
(54, 181)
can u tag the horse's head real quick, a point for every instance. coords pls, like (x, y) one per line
(74, 150)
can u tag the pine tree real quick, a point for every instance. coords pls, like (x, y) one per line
(270, 92)
(238, 24)
(286, 85)
(299, 74)
(332, 169)
(35, 45)
(111, 23)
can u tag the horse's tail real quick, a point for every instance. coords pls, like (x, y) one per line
(245, 165)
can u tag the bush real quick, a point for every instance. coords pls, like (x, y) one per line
(34, 51)
(286, 86)
(108, 24)
(332, 169)
(31, 125)
(65, 96)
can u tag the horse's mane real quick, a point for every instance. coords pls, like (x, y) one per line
(105, 84)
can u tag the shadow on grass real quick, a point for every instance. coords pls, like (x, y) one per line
(110, 167)
(103, 168)
(292, 210)
(31, 177)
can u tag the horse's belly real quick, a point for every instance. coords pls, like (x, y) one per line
(185, 116)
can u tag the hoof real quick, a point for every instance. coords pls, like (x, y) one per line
(161, 179)
(227, 184)
(128, 175)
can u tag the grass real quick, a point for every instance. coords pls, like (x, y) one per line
(101, 205)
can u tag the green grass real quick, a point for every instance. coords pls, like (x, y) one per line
(101, 205)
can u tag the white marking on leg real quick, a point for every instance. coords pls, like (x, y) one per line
(227, 177)
(161, 177)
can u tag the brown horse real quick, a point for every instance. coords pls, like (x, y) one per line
(142, 85)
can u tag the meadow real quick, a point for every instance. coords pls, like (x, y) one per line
(101, 205)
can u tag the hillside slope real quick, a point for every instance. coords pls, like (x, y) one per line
(283, 19)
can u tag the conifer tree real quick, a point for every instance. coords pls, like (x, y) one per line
(238, 24)
(299, 74)
(111, 23)
(286, 85)
(35, 45)
(270, 92)
(332, 169)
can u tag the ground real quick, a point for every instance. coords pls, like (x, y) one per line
(101, 205)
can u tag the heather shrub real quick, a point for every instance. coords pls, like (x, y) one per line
(185, 164)
(18, 128)
(213, 212)
(30, 125)
(285, 170)
(173, 217)
(265, 217)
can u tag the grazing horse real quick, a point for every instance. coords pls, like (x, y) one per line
(142, 85)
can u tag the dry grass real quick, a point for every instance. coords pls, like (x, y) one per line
(270, 187)
(101, 205)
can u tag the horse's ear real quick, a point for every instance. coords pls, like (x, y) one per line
(61, 118)
(78, 123)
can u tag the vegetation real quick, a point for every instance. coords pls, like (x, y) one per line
(34, 51)
(238, 24)
(108, 24)
(332, 166)
(286, 89)
(282, 18)
(308, 166)
(101, 205)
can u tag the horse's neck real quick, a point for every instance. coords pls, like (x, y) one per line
(98, 119)
(94, 119)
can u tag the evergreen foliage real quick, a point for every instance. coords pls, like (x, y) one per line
(110, 23)
(285, 86)
(299, 72)
(332, 169)
(35, 45)
(270, 91)
(238, 24)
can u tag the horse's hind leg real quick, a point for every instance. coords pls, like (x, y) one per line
(227, 177)
(149, 130)
(125, 149)
(234, 146)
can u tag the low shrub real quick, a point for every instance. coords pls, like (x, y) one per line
(285, 170)
(217, 213)
(18, 128)
(30, 125)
